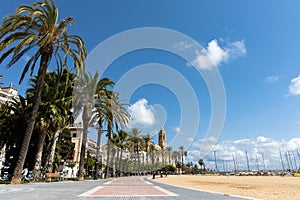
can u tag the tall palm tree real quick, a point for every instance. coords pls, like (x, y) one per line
(99, 113)
(62, 119)
(169, 150)
(115, 141)
(36, 29)
(115, 116)
(54, 109)
(136, 139)
(147, 141)
(182, 153)
(13, 117)
(122, 144)
(152, 150)
(175, 156)
(84, 101)
(202, 164)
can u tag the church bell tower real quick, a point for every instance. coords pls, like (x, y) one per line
(162, 138)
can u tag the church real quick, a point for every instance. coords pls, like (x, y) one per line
(160, 151)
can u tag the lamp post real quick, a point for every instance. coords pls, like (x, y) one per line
(216, 161)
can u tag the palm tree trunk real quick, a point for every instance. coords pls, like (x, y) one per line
(50, 158)
(181, 162)
(86, 119)
(117, 162)
(113, 161)
(98, 148)
(138, 155)
(39, 151)
(147, 157)
(134, 167)
(109, 129)
(45, 59)
(143, 163)
(120, 162)
(152, 159)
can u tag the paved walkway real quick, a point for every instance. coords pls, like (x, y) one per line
(142, 188)
(126, 188)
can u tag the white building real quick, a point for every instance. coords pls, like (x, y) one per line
(91, 147)
(7, 94)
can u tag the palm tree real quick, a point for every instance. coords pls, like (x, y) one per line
(152, 150)
(13, 117)
(62, 119)
(54, 109)
(202, 164)
(182, 153)
(147, 142)
(99, 116)
(114, 140)
(136, 139)
(122, 144)
(115, 115)
(36, 29)
(84, 100)
(169, 150)
(175, 155)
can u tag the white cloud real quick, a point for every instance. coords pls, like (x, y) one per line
(236, 49)
(294, 87)
(183, 45)
(271, 79)
(255, 147)
(142, 114)
(178, 131)
(214, 55)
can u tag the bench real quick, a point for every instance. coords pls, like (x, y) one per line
(52, 175)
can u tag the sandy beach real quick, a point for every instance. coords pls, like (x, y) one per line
(261, 187)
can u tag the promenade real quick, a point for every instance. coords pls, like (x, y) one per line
(133, 188)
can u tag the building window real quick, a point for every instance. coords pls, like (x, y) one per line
(74, 134)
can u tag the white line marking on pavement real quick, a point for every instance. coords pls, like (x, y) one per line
(107, 183)
(88, 193)
(165, 191)
(143, 179)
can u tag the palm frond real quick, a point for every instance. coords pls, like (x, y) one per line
(17, 55)
(12, 38)
(30, 64)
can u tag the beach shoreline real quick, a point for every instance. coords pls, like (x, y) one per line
(258, 187)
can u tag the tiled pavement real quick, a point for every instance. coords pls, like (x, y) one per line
(128, 187)
(140, 188)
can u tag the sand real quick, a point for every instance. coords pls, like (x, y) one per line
(261, 187)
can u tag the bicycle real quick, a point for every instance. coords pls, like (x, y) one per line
(28, 176)
(6, 177)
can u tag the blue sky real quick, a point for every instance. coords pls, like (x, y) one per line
(261, 98)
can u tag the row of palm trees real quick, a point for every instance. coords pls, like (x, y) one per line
(54, 116)
(35, 30)
(32, 124)
(144, 154)
(100, 107)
